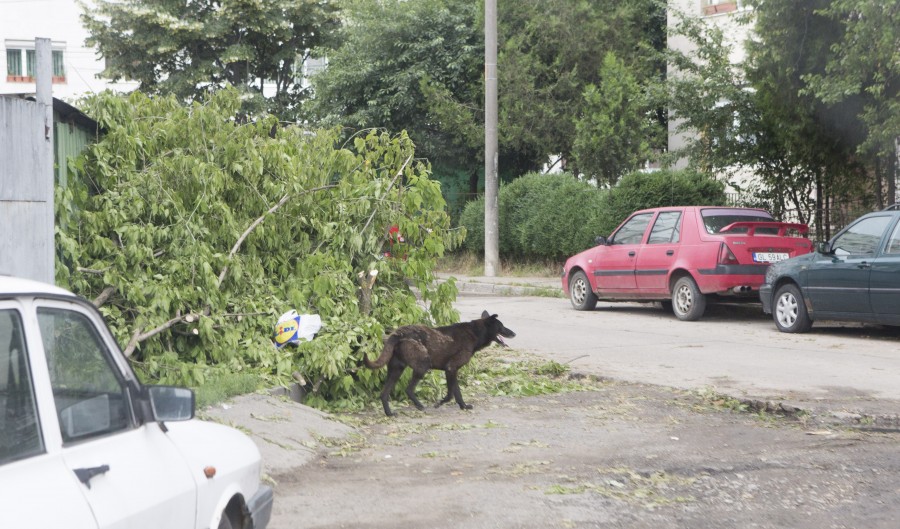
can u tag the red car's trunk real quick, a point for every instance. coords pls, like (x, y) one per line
(754, 242)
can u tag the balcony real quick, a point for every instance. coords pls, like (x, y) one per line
(711, 7)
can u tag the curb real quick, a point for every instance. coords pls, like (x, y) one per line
(503, 290)
(505, 287)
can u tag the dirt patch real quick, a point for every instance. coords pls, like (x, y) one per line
(619, 455)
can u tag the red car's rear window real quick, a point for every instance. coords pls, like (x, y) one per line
(714, 219)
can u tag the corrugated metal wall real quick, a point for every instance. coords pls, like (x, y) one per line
(26, 191)
(70, 140)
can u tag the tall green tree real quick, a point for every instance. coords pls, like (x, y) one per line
(706, 97)
(393, 55)
(550, 51)
(761, 117)
(191, 48)
(614, 133)
(803, 149)
(864, 67)
(419, 66)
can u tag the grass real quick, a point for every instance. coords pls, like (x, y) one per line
(649, 490)
(471, 264)
(224, 385)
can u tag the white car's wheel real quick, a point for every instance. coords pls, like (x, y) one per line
(230, 520)
(789, 312)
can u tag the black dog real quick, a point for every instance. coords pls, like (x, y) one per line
(445, 348)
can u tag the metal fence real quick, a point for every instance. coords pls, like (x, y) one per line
(26, 191)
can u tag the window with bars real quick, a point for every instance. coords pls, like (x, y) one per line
(21, 64)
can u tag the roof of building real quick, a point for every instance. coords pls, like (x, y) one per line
(66, 112)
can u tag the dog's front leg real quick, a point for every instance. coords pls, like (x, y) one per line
(451, 376)
(453, 391)
(457, 394)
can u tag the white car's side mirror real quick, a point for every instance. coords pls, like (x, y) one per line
(171, 403)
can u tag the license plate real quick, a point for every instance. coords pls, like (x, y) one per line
(769, 257)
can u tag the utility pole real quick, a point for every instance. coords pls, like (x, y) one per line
(491, 185)
(45, 240)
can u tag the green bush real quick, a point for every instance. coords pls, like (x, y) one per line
(641, 190)
(541, 217)
(554, 216)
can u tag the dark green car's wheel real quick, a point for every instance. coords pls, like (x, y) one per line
(789, 310)
(580, 293)
(688, 303)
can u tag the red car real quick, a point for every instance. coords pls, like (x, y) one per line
(682, 256)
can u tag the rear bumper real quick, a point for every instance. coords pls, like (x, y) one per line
(260, 507)
(731, 280)
(765, 296)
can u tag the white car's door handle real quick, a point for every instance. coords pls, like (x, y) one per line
(86, 474)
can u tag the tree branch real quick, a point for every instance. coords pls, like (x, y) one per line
(104, 296)
(257, 222)
(140, 336)
(400, 172)
(91, 271)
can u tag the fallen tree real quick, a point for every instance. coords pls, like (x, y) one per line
(193, 230)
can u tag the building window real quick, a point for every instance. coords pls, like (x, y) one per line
(14, 63)
(21, 64)
(30, 61)
(59, 67)
(714, 7)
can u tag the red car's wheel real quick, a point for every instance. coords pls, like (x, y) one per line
(688, 303)
(580, 293)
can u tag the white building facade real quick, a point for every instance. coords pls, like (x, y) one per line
(75, 66)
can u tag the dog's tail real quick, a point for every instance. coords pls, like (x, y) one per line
(386, 353)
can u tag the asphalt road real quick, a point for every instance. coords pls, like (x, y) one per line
(636, 454)
(734, 349)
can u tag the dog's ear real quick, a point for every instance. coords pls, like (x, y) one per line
(484, 314)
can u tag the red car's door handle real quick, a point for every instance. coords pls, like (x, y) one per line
(631, 254)
(670, 252)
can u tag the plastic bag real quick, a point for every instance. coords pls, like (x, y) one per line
(293, 327)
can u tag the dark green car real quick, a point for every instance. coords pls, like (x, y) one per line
(853, 277)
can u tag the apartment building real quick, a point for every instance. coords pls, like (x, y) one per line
(75, 66)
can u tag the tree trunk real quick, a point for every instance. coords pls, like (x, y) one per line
(892, 179)
(879, 184)
(473, 184)
(821, 226)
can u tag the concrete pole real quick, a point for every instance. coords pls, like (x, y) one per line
(44, 94)
(491, 185)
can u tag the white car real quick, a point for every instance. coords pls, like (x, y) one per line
(83, 444)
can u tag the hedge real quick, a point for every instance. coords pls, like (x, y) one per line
(554, 216)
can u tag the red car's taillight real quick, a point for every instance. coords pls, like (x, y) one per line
(726, 256)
